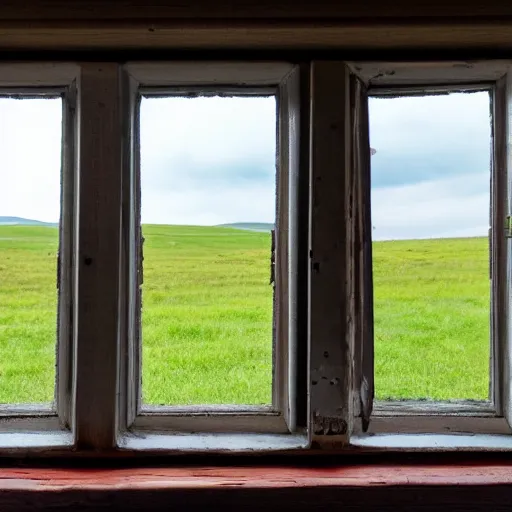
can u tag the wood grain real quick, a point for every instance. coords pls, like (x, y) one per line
(98, 256)
(331, 347)
(258, 35)
(256, 477)
(383, 487)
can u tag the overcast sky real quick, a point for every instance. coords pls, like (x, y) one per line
(212, 160)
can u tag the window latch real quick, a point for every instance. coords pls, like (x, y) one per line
(273, 257)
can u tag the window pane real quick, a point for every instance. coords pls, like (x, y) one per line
(30, 169)
(208, 207)
(430, 216)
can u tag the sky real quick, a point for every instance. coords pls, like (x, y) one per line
(211, 160)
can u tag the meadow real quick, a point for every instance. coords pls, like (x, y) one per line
(207, 316)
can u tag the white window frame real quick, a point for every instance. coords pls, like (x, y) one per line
(323, 293)
(399, 426)
(27, 426)
(280, 424)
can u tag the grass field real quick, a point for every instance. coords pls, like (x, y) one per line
(207, 316)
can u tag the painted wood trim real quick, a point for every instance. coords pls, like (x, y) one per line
(215, 422)
(51, 80)
(361, 245)
(131, 259)
(433, 408)
(330, 339)
(502, 248)
(161, 77)
(262, 476)
(292, 120)
(438, 424)
(98, 257)
(396, 74)
(208, 73)
(66, 258)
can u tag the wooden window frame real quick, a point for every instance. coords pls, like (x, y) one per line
(322, 393)
(443, 426)
(282, 425)
(28, 426)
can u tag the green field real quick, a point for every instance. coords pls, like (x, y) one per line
(207, 316)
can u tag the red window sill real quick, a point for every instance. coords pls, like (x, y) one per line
(465, 486)
(261, 477)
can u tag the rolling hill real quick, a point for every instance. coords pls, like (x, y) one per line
(20, 221)
(251, 226)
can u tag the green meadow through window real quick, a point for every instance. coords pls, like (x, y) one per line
(30, 204)
(431, 185)
(208, 203)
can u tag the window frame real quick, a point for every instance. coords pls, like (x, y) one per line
(283, 417)
(391, 423)
(26, 426)
(319, 248)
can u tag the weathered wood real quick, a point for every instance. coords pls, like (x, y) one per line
(463, 487)
(361, 233)
(501, 320)
(440, 424)
(272, 78)
(288, 349)
(393, 36)
(330, 312)
(66, 268)
(98, 256)
(397, 74)
(255, 477)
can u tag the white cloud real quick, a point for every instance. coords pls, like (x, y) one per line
(205, 207)
(450, 207)
(30, 155)
(212, 160)
(424, 124)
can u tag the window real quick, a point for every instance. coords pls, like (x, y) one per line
(430, 223)
(208, 201)
(29, 239)
(469, 393)
(38, 176)
(143, 358)
(211, 405)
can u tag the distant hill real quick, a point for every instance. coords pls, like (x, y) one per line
(20, 221)
(251, 226)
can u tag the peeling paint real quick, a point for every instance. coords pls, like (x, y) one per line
(328, 425)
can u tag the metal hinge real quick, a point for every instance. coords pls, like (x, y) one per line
(508, 226)
(58, 270)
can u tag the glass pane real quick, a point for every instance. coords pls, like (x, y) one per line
(208, 207)
(430, 216)
(30, 170)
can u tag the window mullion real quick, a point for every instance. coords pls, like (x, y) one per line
(331, 345)
(97, 265)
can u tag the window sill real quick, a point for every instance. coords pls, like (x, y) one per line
(317, 487)
(22, 441)
(433, 442)
(211, 442)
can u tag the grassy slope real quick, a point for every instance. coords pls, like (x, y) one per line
(28, 313)
(207, 316)
(207, 313)
(432, 318)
